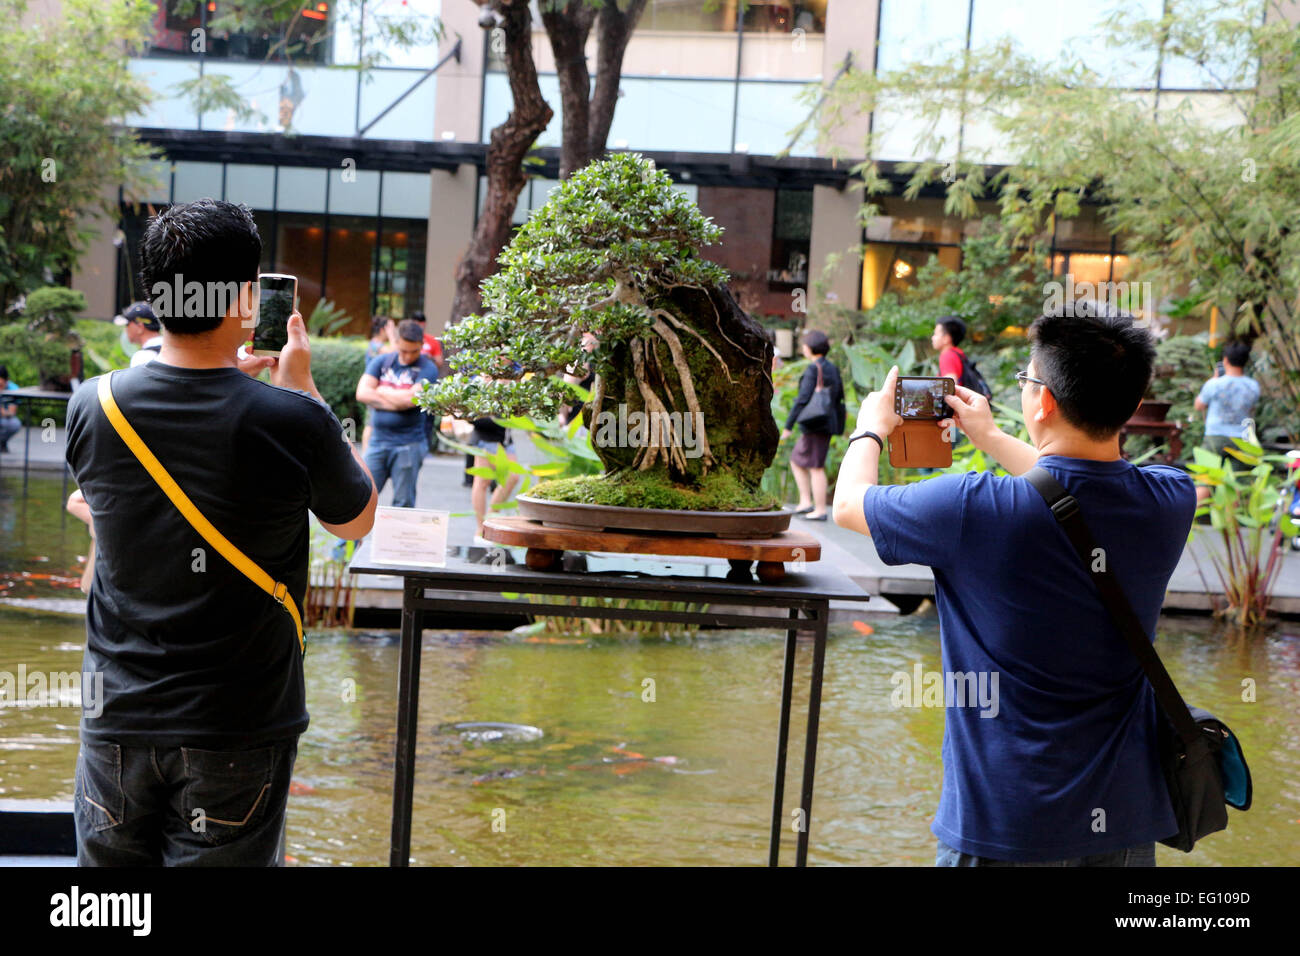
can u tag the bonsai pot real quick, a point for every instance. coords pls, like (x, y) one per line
(729, 524)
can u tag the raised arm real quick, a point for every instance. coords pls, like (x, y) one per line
(974, 416)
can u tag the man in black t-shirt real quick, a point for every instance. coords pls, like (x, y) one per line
(189, 757)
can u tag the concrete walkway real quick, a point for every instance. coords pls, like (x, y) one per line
(440, 488)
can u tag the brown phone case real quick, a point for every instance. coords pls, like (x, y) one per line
(919, 443)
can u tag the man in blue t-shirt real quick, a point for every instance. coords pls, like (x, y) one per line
(1058, 764)
(389, 385)
(1228, 401)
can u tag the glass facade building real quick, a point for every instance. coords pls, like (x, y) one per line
(714, 91)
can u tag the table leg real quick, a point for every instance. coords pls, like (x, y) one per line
(810, 745)
(408, 710)
(782, 741)
(27, 447)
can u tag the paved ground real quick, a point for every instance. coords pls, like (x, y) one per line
(440, 488)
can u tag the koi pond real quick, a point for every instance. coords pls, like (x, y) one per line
(544, 749)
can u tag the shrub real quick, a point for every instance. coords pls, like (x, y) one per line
(337, 364)
(101, 349)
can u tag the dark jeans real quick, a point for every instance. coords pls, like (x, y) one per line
(1144, 854)
(160, 806)
(400, 461)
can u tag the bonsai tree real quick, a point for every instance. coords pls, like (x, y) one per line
(680, 406)
(44, 336)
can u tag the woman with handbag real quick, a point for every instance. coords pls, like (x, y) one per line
(819, 411)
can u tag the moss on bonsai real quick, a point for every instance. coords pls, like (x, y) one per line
(719, 491)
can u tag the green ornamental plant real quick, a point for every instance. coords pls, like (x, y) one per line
(1243, 509)
(680, 407)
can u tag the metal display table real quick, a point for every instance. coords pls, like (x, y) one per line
(800, 603)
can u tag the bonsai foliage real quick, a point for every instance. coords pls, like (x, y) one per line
(615, 253)
(596, 258)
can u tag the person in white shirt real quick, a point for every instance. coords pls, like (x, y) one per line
(142, 329)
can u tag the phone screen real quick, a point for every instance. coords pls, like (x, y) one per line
(278, 295)
(923, 397)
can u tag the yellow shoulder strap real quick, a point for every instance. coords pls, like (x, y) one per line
(241, 561)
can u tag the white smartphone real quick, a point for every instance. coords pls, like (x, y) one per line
(278, 301)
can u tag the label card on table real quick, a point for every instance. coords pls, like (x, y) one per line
(410, 536)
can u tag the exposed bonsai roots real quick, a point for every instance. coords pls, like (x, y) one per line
(665, 314)
(656, 412)
(688, 386)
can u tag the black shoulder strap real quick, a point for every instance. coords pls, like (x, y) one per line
(1065, 508)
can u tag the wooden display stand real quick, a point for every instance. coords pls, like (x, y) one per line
(546, 546)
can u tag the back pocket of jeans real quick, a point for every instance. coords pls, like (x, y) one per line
(98, 787)
(226, 791)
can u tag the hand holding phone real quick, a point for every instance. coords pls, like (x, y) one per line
(920, 441)
(293, 367)
(278, 301)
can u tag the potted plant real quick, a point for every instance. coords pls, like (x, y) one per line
(680, 411)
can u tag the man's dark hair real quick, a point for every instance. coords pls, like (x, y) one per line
(377, 324)
(207, 241)
(817, 342)
(410, 331)
(1096, 365)
(417, 317)
(1236, 354)
(954, 326)
(4, 372)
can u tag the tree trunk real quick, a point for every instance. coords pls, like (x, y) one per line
(568, 29)
(508, 145)
(613, 30)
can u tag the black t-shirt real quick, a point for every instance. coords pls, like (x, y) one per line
(488, 430)
(191, 650)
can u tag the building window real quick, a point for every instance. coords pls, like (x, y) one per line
(791, 239)
(784, 16)
(365, 256)
(689, 15)
(307, 40)
(891, 267)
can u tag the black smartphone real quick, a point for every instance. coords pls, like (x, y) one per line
(917, 397)
(279, 300)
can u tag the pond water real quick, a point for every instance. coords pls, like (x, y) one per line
(595, 774)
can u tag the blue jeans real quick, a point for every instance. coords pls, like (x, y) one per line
(1144, 854)
(401, 462)
(181, 806)
(9, 427)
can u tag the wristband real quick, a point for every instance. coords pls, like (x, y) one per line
(879, 442)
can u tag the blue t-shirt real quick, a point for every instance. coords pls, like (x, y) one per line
(407, 426)
(9, 386)
(1068, 746)
(1231, 399)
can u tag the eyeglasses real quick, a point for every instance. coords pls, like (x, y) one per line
(1022, 378)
